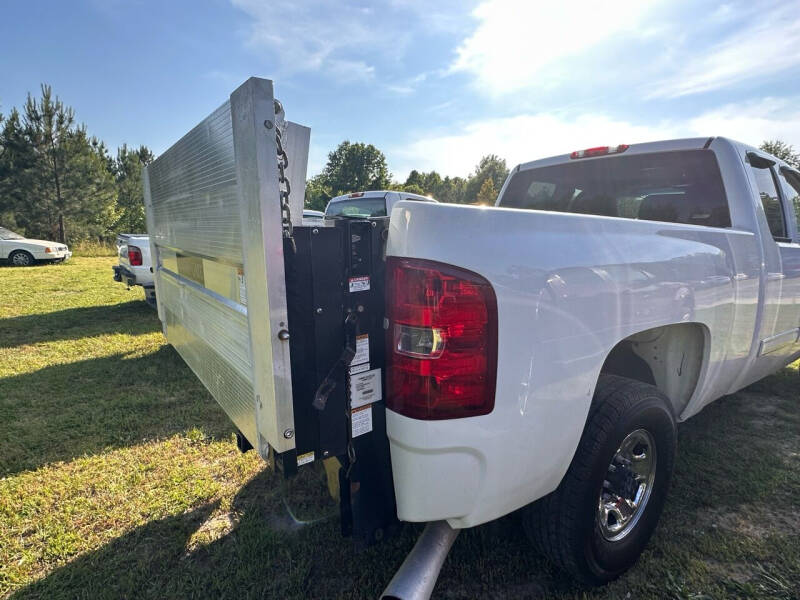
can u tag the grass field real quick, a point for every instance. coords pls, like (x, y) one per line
(119, 478)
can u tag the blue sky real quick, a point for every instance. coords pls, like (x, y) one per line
(435, 85)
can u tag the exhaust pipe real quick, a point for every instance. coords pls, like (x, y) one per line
(418, 574)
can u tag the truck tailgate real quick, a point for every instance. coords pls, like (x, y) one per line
(214, 219)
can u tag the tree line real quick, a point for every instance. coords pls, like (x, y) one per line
(355, 166)
(58, 182)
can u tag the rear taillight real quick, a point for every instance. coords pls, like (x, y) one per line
(134, 256)
(442, 340)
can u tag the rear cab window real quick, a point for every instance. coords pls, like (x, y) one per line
(674, 187)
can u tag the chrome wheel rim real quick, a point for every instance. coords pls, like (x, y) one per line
(627, 485)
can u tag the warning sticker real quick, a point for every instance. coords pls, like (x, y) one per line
(242, 288)
(359, 284)
(361, 419)
(306, 458)
(359, 368)
(362, 350)
(365, 388)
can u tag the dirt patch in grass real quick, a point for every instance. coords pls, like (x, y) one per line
(757, 521)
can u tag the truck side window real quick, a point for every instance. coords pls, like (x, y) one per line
(790, 183)
(770, 201)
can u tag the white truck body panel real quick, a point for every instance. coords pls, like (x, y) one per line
(141, 274)
(569, 288)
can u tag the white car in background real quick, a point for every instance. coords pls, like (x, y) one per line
(377, 203)
(20, 251)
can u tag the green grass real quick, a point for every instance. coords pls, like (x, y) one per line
(120, 487)
(88, 248)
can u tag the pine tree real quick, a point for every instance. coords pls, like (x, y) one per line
(487, 194)
(55, 176)
(130, 213)
(491, 166)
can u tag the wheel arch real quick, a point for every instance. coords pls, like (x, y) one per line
(13, 251)
(671, 357)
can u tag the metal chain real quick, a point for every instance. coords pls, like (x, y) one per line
(284, 186)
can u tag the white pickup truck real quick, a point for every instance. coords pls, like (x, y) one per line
(534, 355)
(561, 335)
(372, 203)
(135, 267)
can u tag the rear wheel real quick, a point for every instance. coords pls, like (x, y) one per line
(20, 258)
(599, 519)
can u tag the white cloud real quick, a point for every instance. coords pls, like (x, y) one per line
(401, 90)
(527, 137)
(345, 41)
(753, 122)
(313, 36)
(515, 41)
(666, 49)
(350, 70)
(767, 46)
(519, 139)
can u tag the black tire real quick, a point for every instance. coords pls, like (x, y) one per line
(21, 258)
(565, 525)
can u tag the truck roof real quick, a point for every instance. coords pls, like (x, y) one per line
(659, 146)
(694, 143)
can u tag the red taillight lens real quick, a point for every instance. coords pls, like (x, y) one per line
(442, 340)
(134, 256)
(599, 151)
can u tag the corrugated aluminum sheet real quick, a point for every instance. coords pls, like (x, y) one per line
(213, 215)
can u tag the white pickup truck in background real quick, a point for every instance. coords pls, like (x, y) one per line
(373, 203)
(135, 267)
(474, 361)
